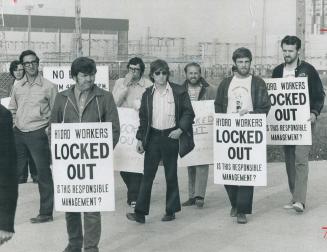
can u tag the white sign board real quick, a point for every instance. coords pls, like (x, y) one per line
(5, 102)
(126, 158)
(203, 134)
(82, 159)
(61, 76)
(240, 149)
(287, 121)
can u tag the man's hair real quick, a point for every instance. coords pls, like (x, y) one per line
(291, 40)
(13, 67)
(83, 65)
(137, 61)
(28, 52)
(158, 65)
(192, 64)
(241, 52)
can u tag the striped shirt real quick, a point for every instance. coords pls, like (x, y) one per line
(163, 116)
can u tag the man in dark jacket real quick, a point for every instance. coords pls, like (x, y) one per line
(243, 93)
(85, 102)
(8, 176)
(198, 90)
(296, 157)
(166, 118)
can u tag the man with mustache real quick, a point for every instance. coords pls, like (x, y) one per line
(198, 89)
(296, 157)
(242, 93)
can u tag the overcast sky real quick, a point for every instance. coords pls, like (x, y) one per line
(197, 20)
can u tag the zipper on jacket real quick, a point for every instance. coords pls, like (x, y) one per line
(85, 107)
(80, 119)
(179, 143)
(148, 128)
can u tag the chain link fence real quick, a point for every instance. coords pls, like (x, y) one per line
(213, 74)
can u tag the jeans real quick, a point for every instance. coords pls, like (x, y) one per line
(92, 231)
(197, 180)
(160, 147)
(297, 168)
(36, 143)
(240, 197)
(133, 182)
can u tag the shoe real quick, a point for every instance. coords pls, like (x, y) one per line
(22, 180)
(298, 207)
(241, 218)
(133, 204)
(199, 202)
(70, 249)
(41, 219)
(189, 202)
(168, 217)
(136, 217)
(289, 205)
(35, 179)
(233, 212)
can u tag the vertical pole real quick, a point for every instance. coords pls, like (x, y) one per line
(59, 46)
(78, 32)
(300, 24)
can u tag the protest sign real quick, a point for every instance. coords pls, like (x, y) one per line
(240, 149)
(287, 121)
(126, 158)
(61, 76)
(5, 102)
(82, 158)
(203, 134)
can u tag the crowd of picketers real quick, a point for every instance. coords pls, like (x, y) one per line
(165, 131)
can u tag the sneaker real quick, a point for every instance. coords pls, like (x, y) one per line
(289, 205)
(189, 202)
(241, 218)
(133, 204)
(199, 202)
(233, 212)
(298, 207)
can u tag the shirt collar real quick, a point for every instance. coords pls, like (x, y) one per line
(167, 88)
(37, 81)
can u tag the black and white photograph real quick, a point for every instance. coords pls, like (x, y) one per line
(173, 125)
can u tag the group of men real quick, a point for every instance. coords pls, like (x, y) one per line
(165, 131)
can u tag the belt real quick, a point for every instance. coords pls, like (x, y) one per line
(164, 132)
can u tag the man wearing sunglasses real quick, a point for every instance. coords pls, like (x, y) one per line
(127, 93)
(31, 102)
(166, 118)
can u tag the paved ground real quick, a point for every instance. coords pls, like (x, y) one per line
(270, 227)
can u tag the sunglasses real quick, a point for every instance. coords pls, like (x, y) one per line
(160, 72)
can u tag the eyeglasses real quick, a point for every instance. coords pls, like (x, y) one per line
(160, 72)
(32, 63)
(132, 69)
(19, 70)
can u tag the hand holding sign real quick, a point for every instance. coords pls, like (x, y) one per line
(139, 147)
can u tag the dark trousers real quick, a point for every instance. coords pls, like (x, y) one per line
(160, 147)
(92, 231)
(36, 142)
(240, 197)
(133, 182)
(30, 165)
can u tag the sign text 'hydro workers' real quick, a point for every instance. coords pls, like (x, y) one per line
(82, 157)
